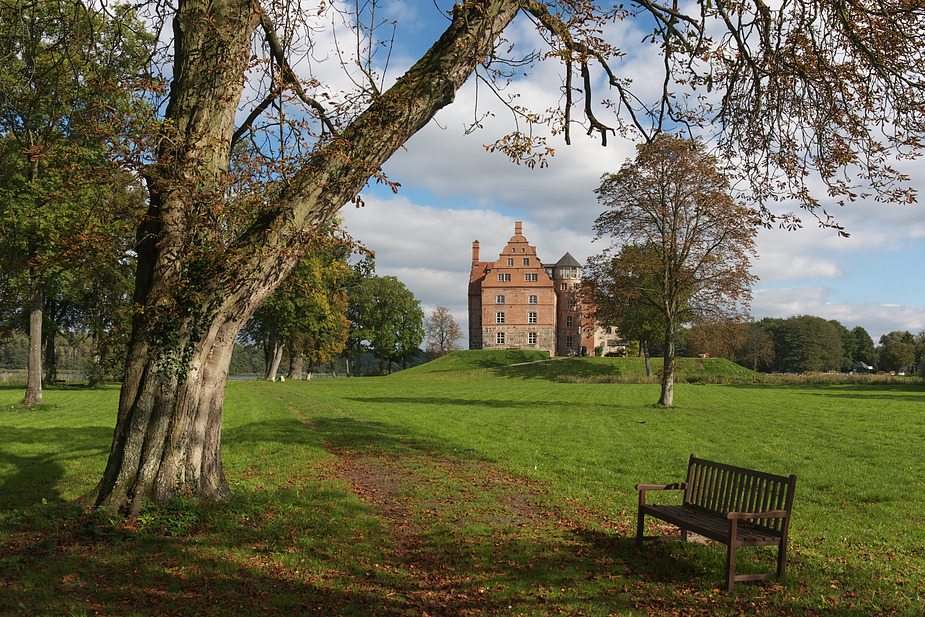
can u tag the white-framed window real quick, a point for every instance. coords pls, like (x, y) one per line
(499, 317)
(531, 338)
(531, 317)
(532, 299)
(568, 342)
(499, 299)
(499, 338)
(569, 304)
(530, 277)
(563, 286)
(504, 277)
(510, 261)
(569, 321)
(526, 261)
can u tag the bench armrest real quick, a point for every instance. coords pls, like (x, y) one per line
(768, 514)
(642, 488)
(662, 487)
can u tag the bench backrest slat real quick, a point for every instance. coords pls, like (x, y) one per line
(723, 488)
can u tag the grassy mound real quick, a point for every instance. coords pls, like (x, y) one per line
(521, 364)
(474, 359)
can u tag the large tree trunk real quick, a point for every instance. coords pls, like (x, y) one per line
(296, 364)
(34, 362)
(191, 304)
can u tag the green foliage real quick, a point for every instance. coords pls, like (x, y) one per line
(894, 355)
(863, 347)
(306, 313)
(386, 320)
(247, 360)
(68, 106)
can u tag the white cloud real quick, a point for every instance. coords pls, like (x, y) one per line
(455, 192)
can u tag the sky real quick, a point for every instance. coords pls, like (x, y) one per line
(453, 192)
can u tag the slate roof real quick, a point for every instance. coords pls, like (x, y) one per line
(568, 261)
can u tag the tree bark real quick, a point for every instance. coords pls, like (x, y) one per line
(189, 310)
(276, 358)
(34, 363)
(667, 396)
(296, 364)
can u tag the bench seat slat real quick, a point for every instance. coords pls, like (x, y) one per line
(711, 526)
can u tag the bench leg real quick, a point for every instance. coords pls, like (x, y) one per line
(731, 556)
(781, 557)
(730, 567)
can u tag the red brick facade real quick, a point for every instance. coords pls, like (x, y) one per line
(518, 302)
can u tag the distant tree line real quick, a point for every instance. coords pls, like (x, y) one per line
(803, 344)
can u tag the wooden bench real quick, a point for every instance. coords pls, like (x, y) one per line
(732, 505)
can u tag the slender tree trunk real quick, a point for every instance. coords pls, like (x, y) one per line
(276, 358)
(51, 356)
(34, 363)
(191, 304)
(644, 352)
(667, 396)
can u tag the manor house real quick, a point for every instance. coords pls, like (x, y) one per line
(518, 302)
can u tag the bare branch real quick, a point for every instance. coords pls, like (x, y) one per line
(288, 77)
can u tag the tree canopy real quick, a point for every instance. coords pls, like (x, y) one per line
(306, 313)
(386, 320)
(64, 100)
(442, 332)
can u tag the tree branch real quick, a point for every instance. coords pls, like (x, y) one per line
(287, 76)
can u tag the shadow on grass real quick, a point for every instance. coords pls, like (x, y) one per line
(449, 402)
(37, 459)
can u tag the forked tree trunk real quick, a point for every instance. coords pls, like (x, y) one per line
(168, 436)
(34, 362)
(189, 307)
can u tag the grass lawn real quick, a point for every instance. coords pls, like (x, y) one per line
(470, 488)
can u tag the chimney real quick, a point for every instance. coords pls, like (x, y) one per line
(518, 229)
(475, 253)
